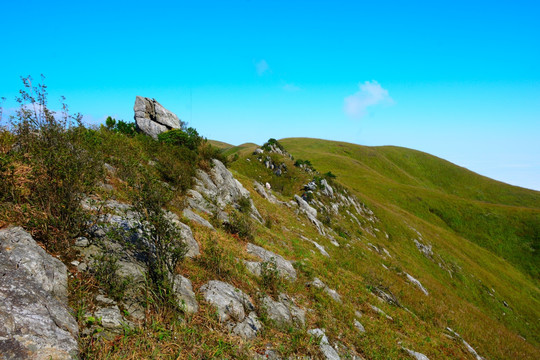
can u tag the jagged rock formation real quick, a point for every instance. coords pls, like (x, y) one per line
(152, 118)
(35, 321)
(215, 190)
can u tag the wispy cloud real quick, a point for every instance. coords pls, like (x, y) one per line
(291, 87)
(371, 93)
(262, 67)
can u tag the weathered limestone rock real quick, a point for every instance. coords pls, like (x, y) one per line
(317, 283)
(20, 248)
(185, 295)
(327, 189)
(327, 350)
(222, 188)
(311, 213)
(152, 118)
(249, 327)
(35, 321)
(283, 267)
(111, 318)
(190, 215)
(284, 311)
(231, 303)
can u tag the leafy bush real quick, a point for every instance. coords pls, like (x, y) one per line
(120, 126)
(269, 279)
(105, 273)
(59, 167)
(160, 239)
(241, 225)
(268, 145)
(189, 138)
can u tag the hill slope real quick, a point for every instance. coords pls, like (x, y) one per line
(502, 218)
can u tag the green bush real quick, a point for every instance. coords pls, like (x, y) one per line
(189, 138)
(61, 167)
(241, 225)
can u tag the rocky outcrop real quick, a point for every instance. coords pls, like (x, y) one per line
(35, 321)
(283, 311)
(311, 213)
(215, 190)
(152, 118)
(234, 308)
(283, 267)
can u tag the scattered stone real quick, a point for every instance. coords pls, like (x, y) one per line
(327, 350)
(81, 242)
(417, 283)
(416, 355)
(111, 318)
(185, 297)
(469, 348)
(319, 247)
(152, 118)
(377, 310)
(105, 300)
(258, 151)
(359, 326)
(35, 320)
(284, 311)
(317, 283)
(283, 267)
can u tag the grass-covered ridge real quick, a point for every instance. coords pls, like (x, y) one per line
(502, 218)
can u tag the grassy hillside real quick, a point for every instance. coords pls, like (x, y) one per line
(502, 218)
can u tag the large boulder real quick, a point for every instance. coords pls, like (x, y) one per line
(152, 118)
(35, 321)
(283, 311)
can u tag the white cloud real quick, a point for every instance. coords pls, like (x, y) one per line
(262, 67)
(371, 93)
(291, 87)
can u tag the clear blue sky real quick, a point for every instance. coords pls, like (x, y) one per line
(457, 79)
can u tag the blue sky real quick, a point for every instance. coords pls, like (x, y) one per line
(457, 79)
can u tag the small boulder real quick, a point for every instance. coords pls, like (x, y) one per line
(185, 296)
(231, 302)
(283, 267)
(327, 350)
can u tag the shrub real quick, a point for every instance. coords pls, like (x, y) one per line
(105, 273)
(241, 225)
(272, 142)
(215, 260)
(270, 280)
(189, 138)
(160, 239)
(61, 167)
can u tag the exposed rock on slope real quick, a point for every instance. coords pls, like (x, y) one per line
(215, 190)
(152, 118)
(35, 321)
(283, 267)
(234, 308)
